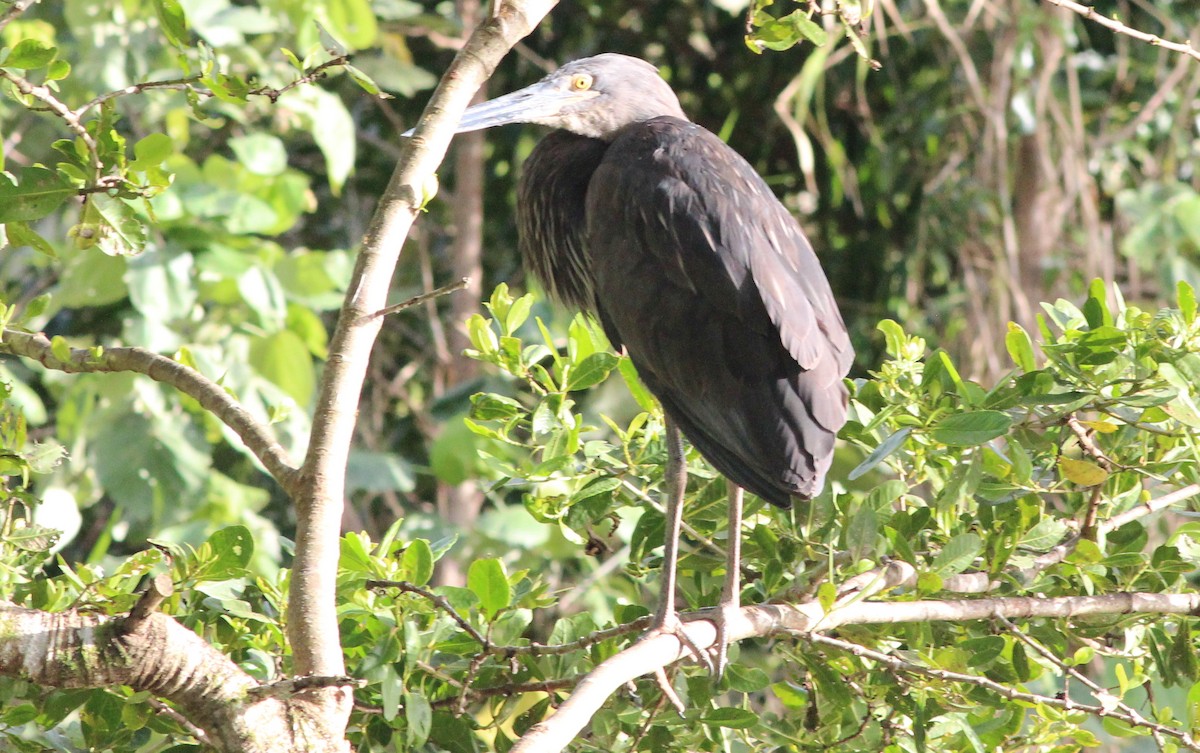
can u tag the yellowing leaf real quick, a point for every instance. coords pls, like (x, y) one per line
(1082, 472)
(1101, 425)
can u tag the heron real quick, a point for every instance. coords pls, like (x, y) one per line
(674, 243)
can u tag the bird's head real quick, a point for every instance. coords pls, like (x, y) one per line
(592, 97)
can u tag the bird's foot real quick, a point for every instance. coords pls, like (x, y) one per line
(670, 624)
(720, 649)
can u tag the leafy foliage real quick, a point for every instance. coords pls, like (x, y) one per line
(981, 482)
(173, 179)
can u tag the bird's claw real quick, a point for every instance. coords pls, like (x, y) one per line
(672, 625)
(720, 649)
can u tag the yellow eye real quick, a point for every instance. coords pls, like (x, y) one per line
(581, 82)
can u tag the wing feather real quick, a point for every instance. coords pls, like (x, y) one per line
(722, 304)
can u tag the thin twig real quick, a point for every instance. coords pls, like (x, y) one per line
(1113, 24)
(157, 591)
(1084, 436)
(165, 709)
(538, 686)
(440, 601)
(557, 649)
(175, 83)
(900, 574)
(417, 300)
(1012, 694)
(1150, 506)
(1088, 530)
(309, 76)
(15, 9)
(64, 113)
(1099, 693)
(290, 687)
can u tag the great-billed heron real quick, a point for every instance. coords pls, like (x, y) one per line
(651, 223)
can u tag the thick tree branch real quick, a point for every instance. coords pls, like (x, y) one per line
(149, 651)
(312, 617)
(211, 396)
(809, 620)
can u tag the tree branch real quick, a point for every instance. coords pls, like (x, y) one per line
(417, 300)
(900, 665)
(312, 616)
(16, 8)
(1113, 24)
(900, 574)
(1102, 695)
(152, 653)
(62, 111)
(808, 620)
(211, 396)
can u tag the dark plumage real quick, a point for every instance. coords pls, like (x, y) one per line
(691, 264)
(671, 239)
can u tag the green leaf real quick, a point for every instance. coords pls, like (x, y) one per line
(284, 359)
(486, 579)
(260, 153)
(593, 370)
(1095, 308)
(365, 82)
(486, 406)
(958, 554)
(418, 562)
(826, 595)
(172, 21)
(971, 429)
(37, 194)
(1187, 300)
(30, 53)
(453, 455)
(20, 234)
(641, 395)
(60, 348)
(807, 28)
(893, 337)
(595, 488)
(733, 718)
(152, 151)
(233, 547)
(419, 716)
(1020, 347)
(481, 334)
(326, 118)
(862, 533)
(351, 21)
(790, 695)
(117, 229)
(378, 472)
(877, 456)
(517, 314)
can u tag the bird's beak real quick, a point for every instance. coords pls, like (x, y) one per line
(533, 104)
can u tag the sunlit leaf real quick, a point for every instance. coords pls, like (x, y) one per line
(971, 429)
(1082, 472)
(486, 579)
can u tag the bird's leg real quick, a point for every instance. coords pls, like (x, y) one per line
(676, 477)
(666, 620)
(730, 601)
